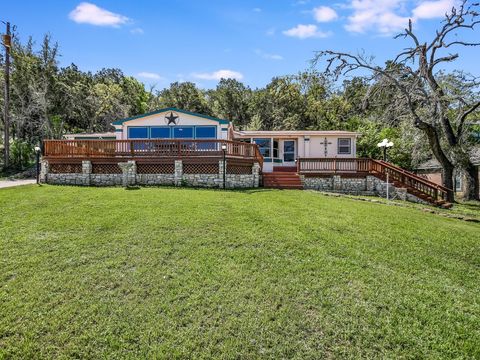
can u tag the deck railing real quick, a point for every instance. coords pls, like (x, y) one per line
(378, 168)
(177, 148)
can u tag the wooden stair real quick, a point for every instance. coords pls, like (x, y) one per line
(421, 195)
(282, 180)
(289, 169)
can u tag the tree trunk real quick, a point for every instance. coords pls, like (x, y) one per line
(447, 179)
(471, 183)
(436, 147)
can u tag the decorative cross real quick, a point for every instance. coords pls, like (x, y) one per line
(325, 143)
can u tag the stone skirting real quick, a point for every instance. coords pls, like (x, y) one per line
(130, 177)
(368, 185)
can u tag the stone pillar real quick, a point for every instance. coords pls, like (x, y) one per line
(337, 182)
(44, 168)
(256, 174)
(129, 171)
(178, 173)
(86, 171)
(220, 174)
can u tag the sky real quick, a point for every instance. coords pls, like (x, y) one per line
(160, 42)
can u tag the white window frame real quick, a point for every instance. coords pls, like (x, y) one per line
(339, 146)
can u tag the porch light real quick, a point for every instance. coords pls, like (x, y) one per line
(224, 149)
(37, 160)
(385, 145)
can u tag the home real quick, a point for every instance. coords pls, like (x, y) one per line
(176, 147)
(279, 148)
(432, 171)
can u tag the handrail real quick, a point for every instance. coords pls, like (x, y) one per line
(177, 148)
(430, 189)
(418, 178)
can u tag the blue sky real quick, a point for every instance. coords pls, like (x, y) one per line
(253, 40)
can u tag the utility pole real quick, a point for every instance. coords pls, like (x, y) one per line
(7, 42)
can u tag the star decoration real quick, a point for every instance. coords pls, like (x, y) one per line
(172, 119)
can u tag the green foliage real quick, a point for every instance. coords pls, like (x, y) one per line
(475, 134)
(48, 101)
(21, 154)
(185, 96)
(374, 132)
(189, 273)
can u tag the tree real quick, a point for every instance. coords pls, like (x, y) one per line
(423, 95)
(230, 101)
(33, 89)
(184, 96)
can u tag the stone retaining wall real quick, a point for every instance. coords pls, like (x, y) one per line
(130, 177)
(368, 185)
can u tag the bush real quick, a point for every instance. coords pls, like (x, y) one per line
(22, 154)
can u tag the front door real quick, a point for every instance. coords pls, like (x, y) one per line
(289, 152)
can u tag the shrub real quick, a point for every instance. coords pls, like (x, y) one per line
(21, 154)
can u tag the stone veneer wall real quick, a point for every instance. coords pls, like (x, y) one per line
(368, 185)
(129, 177)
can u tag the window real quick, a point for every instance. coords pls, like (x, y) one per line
(264, 145)
(289, 150)
(183, 132)
(160, 133)
(138, 132)
(205, 132)
(275, 149)
(458, 183)
(344, 146)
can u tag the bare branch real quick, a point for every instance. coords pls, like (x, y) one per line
(462, 117)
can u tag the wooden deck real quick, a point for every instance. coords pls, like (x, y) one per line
(148, 150)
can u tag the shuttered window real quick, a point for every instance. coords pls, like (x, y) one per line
(345, 146)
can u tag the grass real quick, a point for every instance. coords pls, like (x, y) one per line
(184, 273)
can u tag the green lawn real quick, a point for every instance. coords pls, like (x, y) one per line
(184, 273)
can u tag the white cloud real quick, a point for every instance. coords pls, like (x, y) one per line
(306, 31)
(87, 13)
(137, 31)
(219, 74)
(433, 9)
(378, 15)
(149, 75)
(324, 14)
(268, 56)
(257, 10)
(388, 17)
